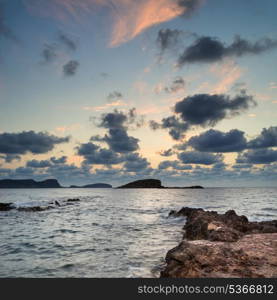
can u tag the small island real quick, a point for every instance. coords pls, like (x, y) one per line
(153, 184)
(94, 186)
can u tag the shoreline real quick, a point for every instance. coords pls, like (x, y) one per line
(222, 246)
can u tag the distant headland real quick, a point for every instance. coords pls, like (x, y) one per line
(53, 183)
(28, 184)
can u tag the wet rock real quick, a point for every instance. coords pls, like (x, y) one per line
(74, 200)
(213, 226)
(6, 206)
(34, 208)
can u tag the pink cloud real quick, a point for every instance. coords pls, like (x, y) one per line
(130, 17)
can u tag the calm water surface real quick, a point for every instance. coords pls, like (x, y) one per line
(110, 233)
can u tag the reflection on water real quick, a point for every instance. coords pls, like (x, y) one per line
(110, 233)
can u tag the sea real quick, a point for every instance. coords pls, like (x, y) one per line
(110, 233)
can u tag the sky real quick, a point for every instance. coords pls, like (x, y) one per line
(118, 90)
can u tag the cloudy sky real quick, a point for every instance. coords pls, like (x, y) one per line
(115, 90)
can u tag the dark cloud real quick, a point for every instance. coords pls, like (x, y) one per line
(116, 119)
(202, 158)
(38, 164)
(202, 110)
(29, 141)
(119, 119)
(167, 153)
(242, 166)
(190, 6)
(10, 157)
(68, 41)
(115, 95)
(267, 138)
(207, 49)
(93, 154)
(135, 163)
(259, 156)
(217, 141)
(177, 85)
(168, 38)
(5, 31)
(208, 110)
(176, 127)
(49, 52)
(70, 68)
(60, 160)
(119, 141)
(176, 165)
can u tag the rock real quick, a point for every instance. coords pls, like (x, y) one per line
(74, 200)
(34, 208)
(6, 206)
(252, 256)
(212, 226)
(94, 186)
(145, 183)
(223, 245)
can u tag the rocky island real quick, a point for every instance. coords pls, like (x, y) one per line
(94, 186)
(153, 184)
(28, 184)
(223, 245)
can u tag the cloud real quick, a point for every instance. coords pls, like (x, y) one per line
(49, 53)
(105, 106)
(29, 141)
(208, 49)
(119, 119)
(176, 86)
(93, 154)
(203, 110)
(69, 42)
(259, 156)
(38, 164)
(167, 153)
(176, 127)
(60, 160)
(130, 18)
(217, 141)
(10, 157)
(267, 138)
(202, 158)
(114, 96)
(208, 110)
(70, 68)
(175, 164)
(168, 38)
(135, 163)
(119, 141)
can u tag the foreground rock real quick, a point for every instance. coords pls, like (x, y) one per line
(223, 245)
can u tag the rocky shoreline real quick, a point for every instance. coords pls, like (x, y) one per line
(50, 205)
(222, 245)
